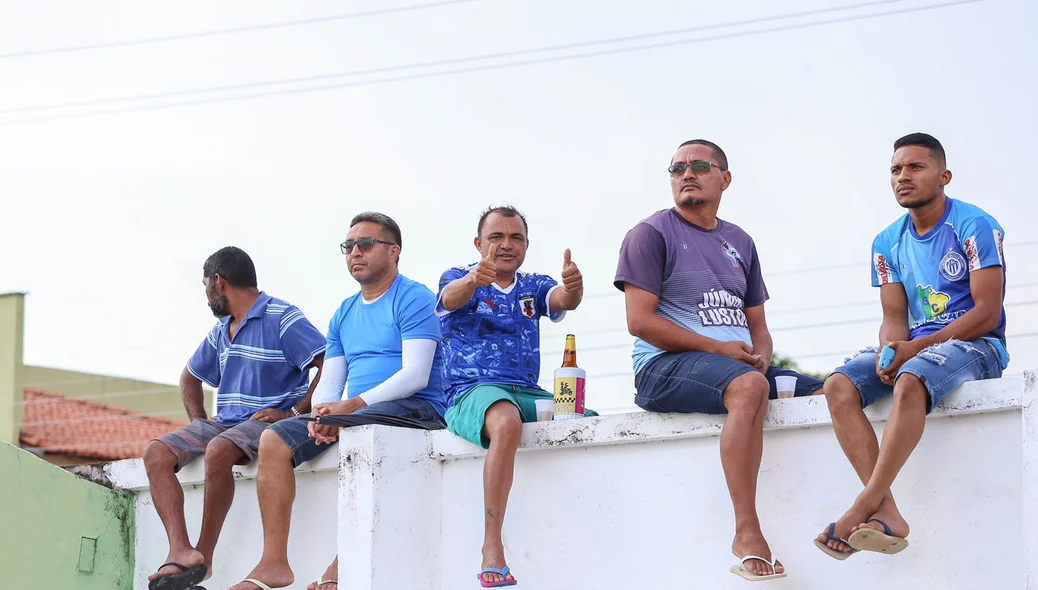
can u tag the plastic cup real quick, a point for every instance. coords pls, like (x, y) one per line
(786, 385)
(545, 409)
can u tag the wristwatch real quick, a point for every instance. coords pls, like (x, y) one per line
(295, 412)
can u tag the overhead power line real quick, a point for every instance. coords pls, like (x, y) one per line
(449, 72)
(799, 271)
(792, 328)
(231, 31)
(428, 64)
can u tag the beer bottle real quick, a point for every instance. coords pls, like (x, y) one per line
(569, 384)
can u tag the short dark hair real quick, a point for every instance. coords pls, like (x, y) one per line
(722, 160)
(924, 140)
(503, 210)
(390, 230)
(233, 264)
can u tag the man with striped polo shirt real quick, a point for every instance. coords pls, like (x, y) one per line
(258, 356)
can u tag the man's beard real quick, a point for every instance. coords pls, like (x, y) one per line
(219, 305)
(919, 203)
(692, 202)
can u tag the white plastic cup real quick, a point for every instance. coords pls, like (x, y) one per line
(545, 409)
(786, 385)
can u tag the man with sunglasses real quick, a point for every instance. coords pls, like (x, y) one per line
(490, 316)
(383, 352)
(695, 304)
(258, 356)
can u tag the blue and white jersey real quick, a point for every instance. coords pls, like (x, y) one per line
(934, 269)
(266, 365)
(496, 337)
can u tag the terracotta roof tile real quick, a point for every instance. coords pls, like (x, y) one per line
(81, 428)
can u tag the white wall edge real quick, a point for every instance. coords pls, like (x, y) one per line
(995, 395)
(130, 475)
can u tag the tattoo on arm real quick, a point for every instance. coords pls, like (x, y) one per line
(490, 513)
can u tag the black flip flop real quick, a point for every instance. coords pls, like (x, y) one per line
(185, 580)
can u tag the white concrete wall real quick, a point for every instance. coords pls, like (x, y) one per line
(638, 500)
(311, 543)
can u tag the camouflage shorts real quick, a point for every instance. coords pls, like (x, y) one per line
(190, 442)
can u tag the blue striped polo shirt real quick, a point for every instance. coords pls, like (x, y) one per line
(266, 365)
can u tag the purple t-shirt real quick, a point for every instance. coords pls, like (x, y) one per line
(704, 278)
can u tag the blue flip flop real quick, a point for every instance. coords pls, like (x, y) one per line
(840, 555)
(503, 572)
(884, 541)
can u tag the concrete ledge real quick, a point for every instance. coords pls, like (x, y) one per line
(130, 475)
(995, 395)
(405, 507)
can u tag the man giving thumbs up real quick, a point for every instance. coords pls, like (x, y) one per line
(489, 317)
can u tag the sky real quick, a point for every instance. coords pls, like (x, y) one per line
(108, 216)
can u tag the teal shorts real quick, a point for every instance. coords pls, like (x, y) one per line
(465, 418)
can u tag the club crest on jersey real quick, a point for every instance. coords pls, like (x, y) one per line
(879, 262)
(731, 253)
(953, 266)
(527, 305)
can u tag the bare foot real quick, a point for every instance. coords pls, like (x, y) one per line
(754, 544)
(332, 573)
(494, 556)
(888, 513)
(854, 516)
(274, 575)
(186, 557)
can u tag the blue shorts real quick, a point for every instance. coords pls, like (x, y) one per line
(942, 368)
(690, 382)
(296, 435)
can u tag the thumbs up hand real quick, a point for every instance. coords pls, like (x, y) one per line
(485, 272)
(572, 281)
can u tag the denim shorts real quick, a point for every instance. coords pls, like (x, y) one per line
(296, 435)
(942, 368)
(690, 382)
(190, 442)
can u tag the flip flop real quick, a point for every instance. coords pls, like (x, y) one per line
(879, 541)
(840, 555)
(502, 572)
(741, 571)
(187, 578)
(321, 582)
(261, 585)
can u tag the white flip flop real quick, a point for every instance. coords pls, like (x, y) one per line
(741, 571)
(261, 585)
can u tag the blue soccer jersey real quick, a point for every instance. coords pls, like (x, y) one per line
(935, 269)
(495, 338)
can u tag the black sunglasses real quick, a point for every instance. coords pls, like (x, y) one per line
(698, 166)
(365, 244)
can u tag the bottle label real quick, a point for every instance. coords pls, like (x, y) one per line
(569, 395)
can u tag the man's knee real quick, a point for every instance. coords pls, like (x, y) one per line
(910, 389)
(221, 454)
(747, 393)
(272, 445)
(841, 394)
(158, 458)
(502, 423)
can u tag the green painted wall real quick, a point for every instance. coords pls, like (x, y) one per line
(60, 531)
(12, 306)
